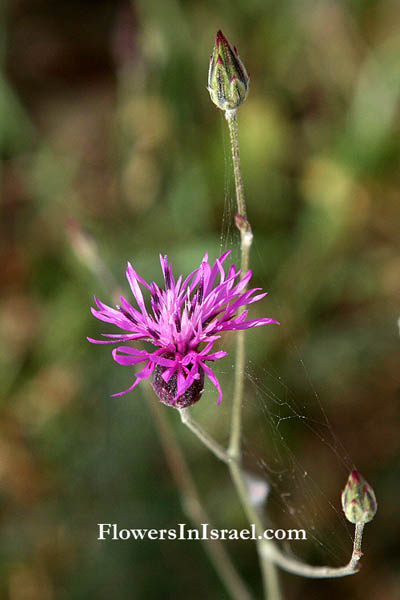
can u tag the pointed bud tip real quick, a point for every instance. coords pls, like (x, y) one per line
(220, 37)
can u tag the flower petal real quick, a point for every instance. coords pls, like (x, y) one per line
(118, 338)
(249, 324)
(144, 374)
(216, 355)
(125, 355)
(133, 273)
(136, 291)
(214, 380)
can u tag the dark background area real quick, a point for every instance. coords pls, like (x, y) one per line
(105, 124)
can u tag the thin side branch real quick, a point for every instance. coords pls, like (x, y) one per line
(203, 436)
(292, 565)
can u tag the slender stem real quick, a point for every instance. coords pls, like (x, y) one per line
(192, 505)
(269, 574)
(231, 117)
(297, 567)
(207, 440)
(357, 554)
(246, 238)
(236, 423)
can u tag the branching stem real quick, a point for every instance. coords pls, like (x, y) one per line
(270, 554)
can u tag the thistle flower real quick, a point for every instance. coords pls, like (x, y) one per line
(185, 320)
(228, 81)
(358, 499)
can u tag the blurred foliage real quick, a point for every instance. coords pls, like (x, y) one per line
(105, 121)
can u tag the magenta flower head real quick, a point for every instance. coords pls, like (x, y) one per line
(185, 320)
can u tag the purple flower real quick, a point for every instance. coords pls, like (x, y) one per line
(185, 320)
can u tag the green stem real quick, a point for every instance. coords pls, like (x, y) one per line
(246, 238)
(357, 554)
(269, 574)
(231, 118)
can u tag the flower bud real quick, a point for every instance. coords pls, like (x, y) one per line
(358, 499)
(228, 81)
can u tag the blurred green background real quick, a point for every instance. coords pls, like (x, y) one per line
(105, 124)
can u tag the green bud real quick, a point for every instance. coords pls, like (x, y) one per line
(358, 499)
(228, 81)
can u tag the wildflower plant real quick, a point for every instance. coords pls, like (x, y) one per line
(183, 320)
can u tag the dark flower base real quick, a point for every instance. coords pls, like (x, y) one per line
(167, 391)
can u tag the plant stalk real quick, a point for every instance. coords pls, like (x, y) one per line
(246, 238)
(269, 573)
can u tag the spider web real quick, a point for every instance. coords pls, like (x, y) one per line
(294, 448)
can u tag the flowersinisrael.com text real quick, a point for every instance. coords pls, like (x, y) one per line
(111, 531)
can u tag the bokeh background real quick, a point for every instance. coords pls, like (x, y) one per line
(106, 127)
